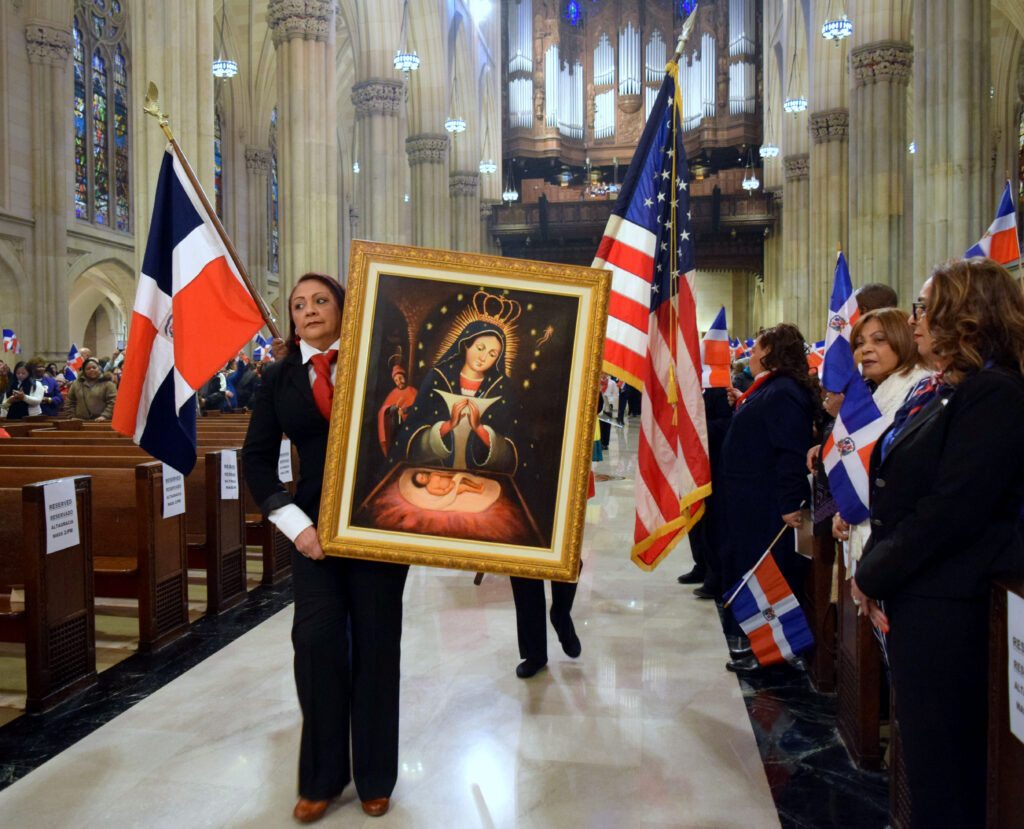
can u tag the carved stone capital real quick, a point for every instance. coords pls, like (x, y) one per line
(47, 44)
(427, 148)
(257, 160)
(378, 96)
(885, 61)
(463, 183)
(302, 19)
(486, 209)
(798, 166)
(829, 125)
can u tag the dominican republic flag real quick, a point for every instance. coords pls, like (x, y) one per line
(715, 356)
(769, 614)
(815, 357)
(261, 348)
(11, 341)
(192, 314)
(652, 340)
(1000, 240)
(838, 365)
(847, 452)
(75, 361)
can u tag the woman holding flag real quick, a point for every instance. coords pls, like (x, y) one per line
(348, 612)
(761, 480)
(947, 484)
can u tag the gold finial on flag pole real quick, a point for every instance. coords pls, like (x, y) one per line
(685, 33)
(152, 107)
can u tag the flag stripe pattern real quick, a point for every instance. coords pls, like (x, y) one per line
(770, 615)
(847, 452)
(838, 366)
(192, 314)
(1000, 241)
(651, 339)
(75, 361)
(10, 341)
(715, 356)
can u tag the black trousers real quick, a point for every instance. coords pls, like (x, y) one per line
(939, 654)
(531, 626)
(347, 636)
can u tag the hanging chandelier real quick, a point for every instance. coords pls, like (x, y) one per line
(768, 149)
(487, 165)
(510, 194)
(223, 67)
(405, 61)
(750, 180)
(793, 103)
(454, 124)
(836, 28)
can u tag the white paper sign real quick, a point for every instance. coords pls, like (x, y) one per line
(61, 515)
(1015, 653)
(284, 462)
(174, 492)
(229, 475)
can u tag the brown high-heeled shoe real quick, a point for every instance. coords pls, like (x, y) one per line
(376, 807)
(309, 811)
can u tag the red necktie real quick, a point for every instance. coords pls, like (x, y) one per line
(323, 388)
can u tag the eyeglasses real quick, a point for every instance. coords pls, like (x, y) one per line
(918, 309)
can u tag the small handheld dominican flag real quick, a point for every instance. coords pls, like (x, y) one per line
(770, 615)
(1000, 240)
(75, 360)
(11, 341)
(260, 348)
(838, 367)
(714, 353)
(815, 356)
(847, 452)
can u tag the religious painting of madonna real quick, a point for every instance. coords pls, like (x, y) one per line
(464, 409)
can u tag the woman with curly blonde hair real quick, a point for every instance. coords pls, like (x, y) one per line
(947, 485)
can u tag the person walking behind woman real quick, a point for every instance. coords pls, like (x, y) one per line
(347, 627)
(92, 395)
(947, 484)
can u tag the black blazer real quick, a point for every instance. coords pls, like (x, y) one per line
(946, 500)
(284, 404)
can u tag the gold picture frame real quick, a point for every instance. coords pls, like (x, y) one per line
(464, 410)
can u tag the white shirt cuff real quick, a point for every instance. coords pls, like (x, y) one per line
(290, 520)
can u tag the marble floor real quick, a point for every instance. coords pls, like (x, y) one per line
(645, 729)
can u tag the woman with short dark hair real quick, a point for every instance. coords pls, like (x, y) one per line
(947, 484)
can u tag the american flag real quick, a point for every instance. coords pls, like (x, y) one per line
(652, 339)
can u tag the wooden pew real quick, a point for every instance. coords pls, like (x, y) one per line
(1005, 796)
(56, 622)
(215, 527)
(137, 553)
(821, 613)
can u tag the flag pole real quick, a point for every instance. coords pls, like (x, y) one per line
(764, 555)
(152, 107)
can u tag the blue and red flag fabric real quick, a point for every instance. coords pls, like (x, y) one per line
(1000, 241)
(815, 356)
(715, 354)
(847, 452)
(74, 363)
(192, 314)
(838, 366)
(11, 341)
(770, 615)
(260, 348)
(652, 340)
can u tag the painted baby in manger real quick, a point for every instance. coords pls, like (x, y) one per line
(463, 455)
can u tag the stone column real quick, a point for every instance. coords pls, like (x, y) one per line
(49, 46)
(829, 160)
(257, 168)
(379, 104)
(428, 163)
(796, 243)
(172, 45)
(766, 308)
(953, 194)
(487, 243)
(303, 33)
(464, 189)
(879, 74)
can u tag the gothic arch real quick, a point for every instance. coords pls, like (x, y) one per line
(99, 279)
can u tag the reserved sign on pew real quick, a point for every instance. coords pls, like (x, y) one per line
(174, 492)
(1015, 643)
(61, 515)
(284, 461)
(229, 475)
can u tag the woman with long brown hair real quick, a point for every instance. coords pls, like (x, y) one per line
(947, 484)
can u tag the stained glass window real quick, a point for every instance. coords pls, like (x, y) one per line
(272, 231)
(685, 7)
(101, 121)
(572, 12)
(218, 165)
